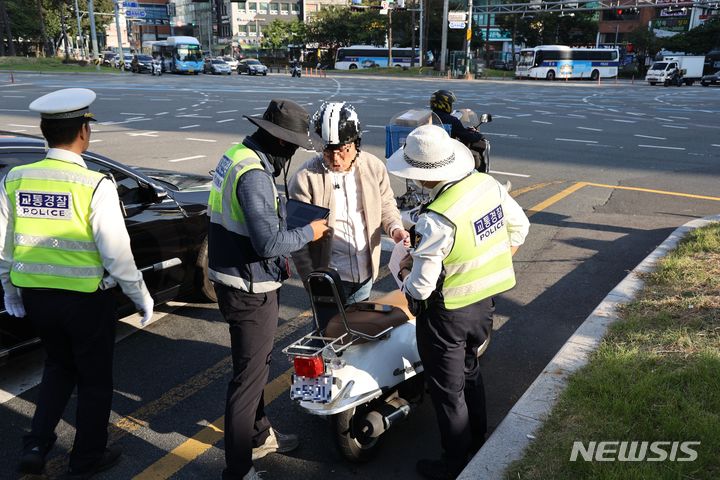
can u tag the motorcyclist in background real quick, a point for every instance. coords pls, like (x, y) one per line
(441, 103)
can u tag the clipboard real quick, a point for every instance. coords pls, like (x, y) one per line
(300, 213)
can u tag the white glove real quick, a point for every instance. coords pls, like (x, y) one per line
(146, 308)
(14, 304)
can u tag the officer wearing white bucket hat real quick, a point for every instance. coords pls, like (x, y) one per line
(464, 241)
(61, 230)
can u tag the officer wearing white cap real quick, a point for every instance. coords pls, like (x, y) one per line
(464, 242)
(61, 231)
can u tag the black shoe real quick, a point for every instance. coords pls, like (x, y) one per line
(435, 470)
(32, 460)
(109, 458)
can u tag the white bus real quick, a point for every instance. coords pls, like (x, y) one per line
(178, 54)
(366, 56)
(558, 61)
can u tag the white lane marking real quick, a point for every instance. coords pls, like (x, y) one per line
(226, 120)
(192, 115)
(197, 104)
(499, 134)
(510, 174)
(544, 123)
(663, 119)
(26, 375)
(544, 111)
(591, 129)
(613, 110)
(675, 126)
(375, 126)
(181, 109)
(650, 137)
(16, 84)
(186, 158)
(575, 115)
(636, 114)
(501, 116)
(161, 113)
(12, 110)
(660, 146)
(144, 134)
(132, 114)
(715, 145)
(226, 111)
(189, 126)
(160, 100)
(622, 121)
(13, 96)
(574, 140)
(201, 140)
(97, 140)
(20, 125)
(513, 108)
(524, 115)
(681, 118)
(260, 108)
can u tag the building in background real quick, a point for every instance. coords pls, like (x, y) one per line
(140, 21)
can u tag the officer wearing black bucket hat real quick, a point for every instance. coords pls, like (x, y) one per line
(248, 260)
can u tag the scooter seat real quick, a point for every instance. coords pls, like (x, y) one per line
(369, 317)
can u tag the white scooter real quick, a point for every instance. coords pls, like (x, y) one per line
(157, 67)
(361, 370)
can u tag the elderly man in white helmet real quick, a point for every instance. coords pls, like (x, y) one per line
(464, 242)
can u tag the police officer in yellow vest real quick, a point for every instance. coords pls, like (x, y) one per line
(464, 241)
(61, 230)
(248, 253)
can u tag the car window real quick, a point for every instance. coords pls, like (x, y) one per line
(13, 159)
(128, 188)
(253, 62)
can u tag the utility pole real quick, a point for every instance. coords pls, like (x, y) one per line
(443, 43)
(487, 36)
(468, 39)
(412, 41)
(64, 32)
(119, 36)
(93, 35)
(390, 59)
(422, 33)
(81, 44)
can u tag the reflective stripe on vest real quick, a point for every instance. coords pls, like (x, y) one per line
(226, 211)
(480, 262)
(53, 243)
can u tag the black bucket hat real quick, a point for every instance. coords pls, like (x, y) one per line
(288, 121)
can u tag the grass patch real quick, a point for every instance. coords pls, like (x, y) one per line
(655, 377)
(43, 64)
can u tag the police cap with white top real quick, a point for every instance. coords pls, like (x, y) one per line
(64, 104)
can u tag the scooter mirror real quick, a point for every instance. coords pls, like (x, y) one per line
(485, 118)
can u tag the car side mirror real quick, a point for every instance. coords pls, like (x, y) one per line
(159, 194)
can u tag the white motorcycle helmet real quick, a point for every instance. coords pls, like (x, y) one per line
(337, 123)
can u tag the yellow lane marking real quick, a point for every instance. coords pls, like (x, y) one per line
(649, 190)
(517, 192)
(554, 199)
(138, 419)
(201, 442)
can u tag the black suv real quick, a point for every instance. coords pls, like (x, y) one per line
(712, 79)
(141, 63)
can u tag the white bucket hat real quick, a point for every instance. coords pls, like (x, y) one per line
(430, 154)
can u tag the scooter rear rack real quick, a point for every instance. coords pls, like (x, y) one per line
(314, 344)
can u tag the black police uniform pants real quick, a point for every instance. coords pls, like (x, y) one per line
(448, 341)
(253, 319)
(78, 333)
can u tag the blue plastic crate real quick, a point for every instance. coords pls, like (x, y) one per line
(395, 136)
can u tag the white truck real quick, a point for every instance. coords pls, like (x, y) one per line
(662, 71)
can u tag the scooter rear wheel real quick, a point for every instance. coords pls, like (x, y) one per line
(348, 440)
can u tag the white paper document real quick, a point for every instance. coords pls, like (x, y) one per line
(398, 253)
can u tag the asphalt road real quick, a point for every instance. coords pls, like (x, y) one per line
(605, 171)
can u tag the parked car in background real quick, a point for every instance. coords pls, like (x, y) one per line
(499, 65)
(108, 59)
(141, 63)
(128, 61)
(251, 66)
(712, 79)
(165, 217)
(232, 61)
(216, 66)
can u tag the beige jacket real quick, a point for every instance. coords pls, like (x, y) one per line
(312, 184)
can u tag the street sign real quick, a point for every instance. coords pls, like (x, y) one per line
(457, 25)
(457, 16)
(135, 12)
(130, 4)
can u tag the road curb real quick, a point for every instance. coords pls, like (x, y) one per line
(510, 439)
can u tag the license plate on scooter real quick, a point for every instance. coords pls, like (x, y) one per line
(318, 389)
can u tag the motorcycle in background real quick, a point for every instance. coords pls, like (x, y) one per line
(156, 67)
(295, 71)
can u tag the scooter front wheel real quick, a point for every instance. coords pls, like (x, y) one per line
(349, 439)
